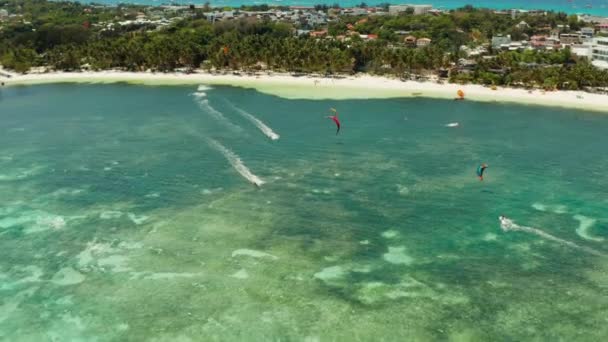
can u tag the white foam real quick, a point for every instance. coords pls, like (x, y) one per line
(452, 124)
(216, 114)
(137, 219)
(67, 276)
(11, 221)
(583, 229)
(153, 195)
(67, 192)
(389, 234)
(258, 123)
(54, 222)
(88, 255)
(236, 163)
(21, 174)
(211, 191)
(402, 189)
(34, 221)
(312, 339)
(560, 209)
(111, 214)
(490, 237)
(253, 253)
(203, 88)
(117, 263)
(130, 245)
(67, 300)
(169, 275)
(508, 225)
(557, 209)
(73, 321)
(122, 327)
(539, 206)
(330, 273)
(242, 274)
(396, 255)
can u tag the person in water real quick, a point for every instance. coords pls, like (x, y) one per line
(335, 119)
(480, 170)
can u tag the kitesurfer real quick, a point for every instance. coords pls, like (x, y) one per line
(335, 119)
(480, 170)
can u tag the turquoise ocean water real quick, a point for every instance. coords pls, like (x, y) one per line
(127, 213)
(597, 7)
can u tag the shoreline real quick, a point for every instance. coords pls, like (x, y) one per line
(439, 5)
(322, 88)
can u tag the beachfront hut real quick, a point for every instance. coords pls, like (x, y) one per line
(410, 41)
(422, 42)
(522, 25)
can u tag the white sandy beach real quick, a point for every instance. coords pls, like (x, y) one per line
(309, 87)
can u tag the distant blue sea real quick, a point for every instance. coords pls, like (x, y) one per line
(598, 7)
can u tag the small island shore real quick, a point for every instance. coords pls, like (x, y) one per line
(312, 87)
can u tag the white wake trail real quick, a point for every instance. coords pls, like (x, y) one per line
(258, 123)
(236, 162)
(203, 102)
(508, 225)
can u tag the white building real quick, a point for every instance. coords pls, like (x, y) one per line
(499, 40)
(588, 32)
(418, 9)
(583, 50)
(422, 42)
(522, 25)
(599, 52)
(422, 9)
(3, 14)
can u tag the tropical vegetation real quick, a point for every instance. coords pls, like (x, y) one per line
(71, 36)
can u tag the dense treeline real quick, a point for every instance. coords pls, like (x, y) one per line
(65, 36)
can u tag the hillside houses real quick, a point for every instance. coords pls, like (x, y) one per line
(309, 18)
(414, 9)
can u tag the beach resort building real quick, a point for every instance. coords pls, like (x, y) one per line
(474, 52)
(356, 11)
(417, 9)
(522, 25)
(587, 32)
(422, 42)
(500, 40)
(570, 38)
(410, 41)
(3, 14)
(599, 52)
(544, 42)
